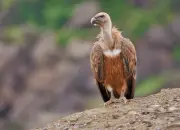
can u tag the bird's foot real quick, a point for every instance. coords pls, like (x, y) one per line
(123, 99)
(108, 103)
(116, 101)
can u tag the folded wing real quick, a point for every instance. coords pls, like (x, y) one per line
(97, 66)
(128, 55)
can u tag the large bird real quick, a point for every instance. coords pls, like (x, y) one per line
(113, 62)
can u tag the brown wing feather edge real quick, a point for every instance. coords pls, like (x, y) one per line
(106, 95)
(131, 82)
(96, 62)
(129, 60)
(96, 59)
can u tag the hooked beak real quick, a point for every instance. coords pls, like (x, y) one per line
(94, 21)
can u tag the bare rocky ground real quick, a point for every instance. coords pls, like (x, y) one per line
(160, 111)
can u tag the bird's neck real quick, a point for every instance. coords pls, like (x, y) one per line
(107, 35)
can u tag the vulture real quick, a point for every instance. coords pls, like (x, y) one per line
(113, 62)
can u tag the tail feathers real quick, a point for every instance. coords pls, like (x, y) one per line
(131, 83)
(105, 94)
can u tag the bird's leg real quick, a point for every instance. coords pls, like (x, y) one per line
(112, 100)
(106, 103)
(122, 97)
(109, 88)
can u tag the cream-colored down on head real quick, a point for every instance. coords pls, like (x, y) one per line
(103, 21)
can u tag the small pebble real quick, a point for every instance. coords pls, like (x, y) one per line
(170, 109)
(155, 106)
(76, 126)
(150, 110)
(73, 119)
(148, 123)
(171, 119)
(132, 122)
(88, 122)
(145, 113)
(106, 125)
(161, 109)
(115, 116)
(132, 112)
(66, 128)
(174, 124)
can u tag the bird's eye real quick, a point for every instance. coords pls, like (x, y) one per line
(102, 16)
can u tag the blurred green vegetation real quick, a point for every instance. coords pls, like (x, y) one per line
(134, 20)
(53, 14)
(154, 83)
(150, 85)
(176, 53)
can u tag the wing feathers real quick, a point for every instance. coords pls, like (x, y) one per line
(131, 82)
(106, 95)
(96, 59)
(128, 56)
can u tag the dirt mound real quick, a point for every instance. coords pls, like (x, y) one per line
(160, 111)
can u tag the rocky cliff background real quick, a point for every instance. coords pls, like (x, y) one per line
(44, 54)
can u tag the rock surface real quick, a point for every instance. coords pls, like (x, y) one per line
(155, 112)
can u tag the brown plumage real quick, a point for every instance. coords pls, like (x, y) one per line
(113, 61)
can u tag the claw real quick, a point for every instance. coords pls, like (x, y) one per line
(123, 99)
(108, 103)
(116, 101)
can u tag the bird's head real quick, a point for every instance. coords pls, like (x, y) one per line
(100, 19)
